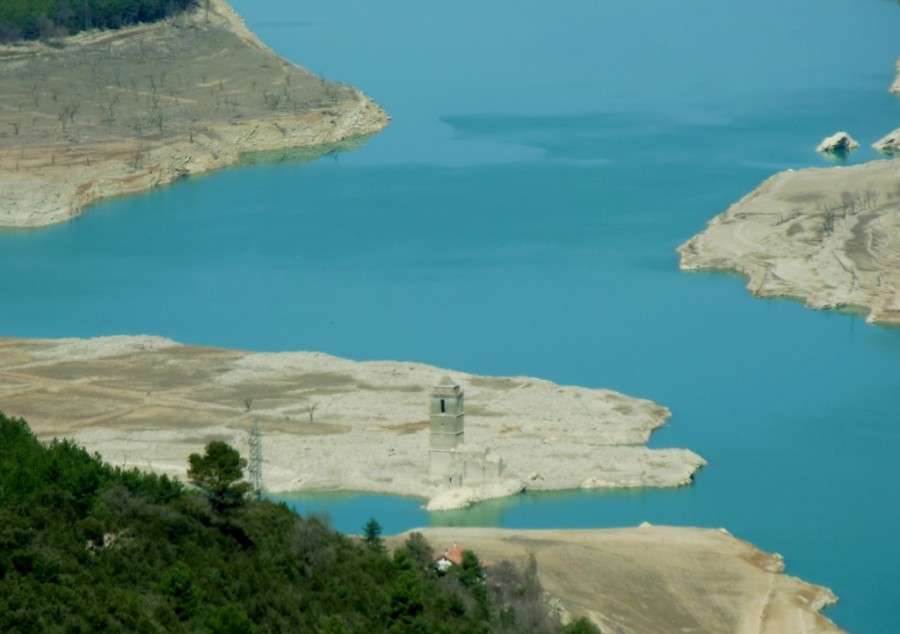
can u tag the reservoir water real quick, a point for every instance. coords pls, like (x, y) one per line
(519, 217)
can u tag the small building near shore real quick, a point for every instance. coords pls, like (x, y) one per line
(453, 556)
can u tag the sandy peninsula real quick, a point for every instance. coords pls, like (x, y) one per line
(895, 87)
(656, 579)
(110, 113)
(827, 236)
(328, 423)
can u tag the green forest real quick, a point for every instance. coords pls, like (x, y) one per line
(87, 547)
(49, 19)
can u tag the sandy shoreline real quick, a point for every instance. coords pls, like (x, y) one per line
(830, 237)
(328, 423)
(656, 579)
(121, 112)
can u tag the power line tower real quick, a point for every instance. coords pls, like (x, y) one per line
(256, 459)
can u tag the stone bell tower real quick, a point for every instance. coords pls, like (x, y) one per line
(446, 425)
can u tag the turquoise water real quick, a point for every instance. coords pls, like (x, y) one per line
(520, 216)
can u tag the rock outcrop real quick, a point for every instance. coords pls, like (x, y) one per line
(895, 87)
(837, 142)
(889, 143)
(830, 237)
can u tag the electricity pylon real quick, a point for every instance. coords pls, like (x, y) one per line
(256, 459)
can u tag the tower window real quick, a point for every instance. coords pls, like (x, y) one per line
(443, 407)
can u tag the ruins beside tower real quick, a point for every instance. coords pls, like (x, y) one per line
(449, 460)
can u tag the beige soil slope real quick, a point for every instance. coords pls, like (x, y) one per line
(327, 423)
(656, 579)
(117, 112)
(830, 237)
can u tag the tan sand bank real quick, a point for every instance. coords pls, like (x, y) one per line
(656, 579)
(830, 237)
(118, 112)
(327, 423)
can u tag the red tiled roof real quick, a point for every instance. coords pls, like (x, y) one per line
(454, 554)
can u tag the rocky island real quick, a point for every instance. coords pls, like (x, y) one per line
(329, 423)
(108, 113)
(830, 237)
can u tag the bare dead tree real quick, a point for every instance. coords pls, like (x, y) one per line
(311, 408)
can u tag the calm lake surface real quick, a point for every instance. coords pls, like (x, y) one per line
(519, 217)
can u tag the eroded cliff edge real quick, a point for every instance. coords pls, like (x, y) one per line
(328, 423)
(827, 236)
(118, 112)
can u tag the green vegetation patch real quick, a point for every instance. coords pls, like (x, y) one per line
(47, 19)
(86, 547)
